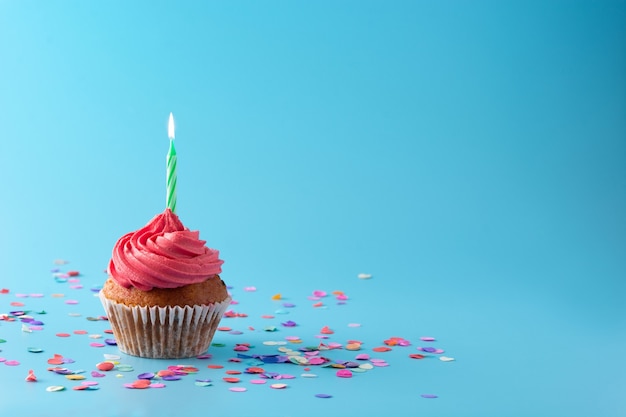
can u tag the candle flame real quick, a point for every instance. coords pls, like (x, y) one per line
(170, 127)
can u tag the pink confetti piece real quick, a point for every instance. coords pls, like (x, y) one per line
(71, 302)
(238, 389)
(11, 363)
(97, 345)
(258, 381)
(344, 373)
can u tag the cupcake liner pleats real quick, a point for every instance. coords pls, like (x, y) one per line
(164, 332)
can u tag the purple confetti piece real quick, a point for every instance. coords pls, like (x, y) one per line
(146, 375)
(427, 349)
(111, 342)
(323, 395)
(429, 396)
(205, 356)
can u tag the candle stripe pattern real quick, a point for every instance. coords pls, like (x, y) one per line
(170, 179)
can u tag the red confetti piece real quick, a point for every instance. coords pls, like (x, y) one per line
(231, 380)
(4, 291)
(17, 304)
(63, 334)
(224, 329)
(326, 330)
(416, 356)
(80, 331)
(105, 366)
(233, 372)
(214, 366)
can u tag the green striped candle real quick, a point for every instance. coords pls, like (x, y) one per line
(170, 179)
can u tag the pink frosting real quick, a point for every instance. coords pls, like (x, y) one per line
(163, 254)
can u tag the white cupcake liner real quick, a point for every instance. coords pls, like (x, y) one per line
(164, 332)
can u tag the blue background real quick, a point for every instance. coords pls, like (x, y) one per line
(470, 155)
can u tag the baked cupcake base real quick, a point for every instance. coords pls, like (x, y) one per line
(164, 332)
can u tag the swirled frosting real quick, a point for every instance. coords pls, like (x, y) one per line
(163, 254)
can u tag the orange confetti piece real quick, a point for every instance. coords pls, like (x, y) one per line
(276, 296)
(381, 349)
(215, 366)
(318, 304)
(141, 383)
(224, 329)
(231, 380)
(17, 304)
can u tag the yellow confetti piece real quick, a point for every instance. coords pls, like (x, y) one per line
(276, 296)
(75, 377)
(57, 295)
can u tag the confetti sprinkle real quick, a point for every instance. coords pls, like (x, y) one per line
(278, 386)
(55, 388)
(381, 349)
(31, 376)
(258, 381)
(364, 276)
(323, 395)
(105, 366)
(429, 396)
(238, 389)
(344, 373)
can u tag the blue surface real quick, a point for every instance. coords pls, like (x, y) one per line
(471, 156)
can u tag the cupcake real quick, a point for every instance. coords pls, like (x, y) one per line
(164, 296)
